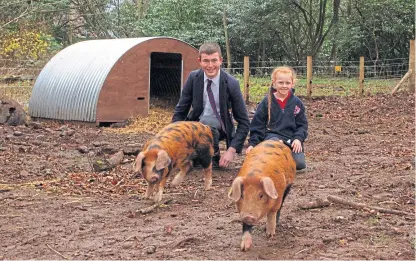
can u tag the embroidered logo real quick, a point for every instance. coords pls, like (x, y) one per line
(297, 110)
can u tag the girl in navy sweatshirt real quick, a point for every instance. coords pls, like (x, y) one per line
(281, 116)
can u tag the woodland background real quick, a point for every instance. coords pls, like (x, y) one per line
(265, 30)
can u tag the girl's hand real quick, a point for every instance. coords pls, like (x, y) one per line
(297, 146)
(249, 149)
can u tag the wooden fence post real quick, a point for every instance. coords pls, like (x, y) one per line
(361, 80)
(246, 78)
(309, 76)
(409, 77)
(411, 86)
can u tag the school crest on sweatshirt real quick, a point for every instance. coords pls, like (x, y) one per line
(297, 110)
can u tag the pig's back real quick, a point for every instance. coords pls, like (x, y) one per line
(182, 134)
(182, 137)
(270, 158)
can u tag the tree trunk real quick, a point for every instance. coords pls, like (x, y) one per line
(70, 17)
(334, 50)
(263, 56)
(227, 40)
(336, 31)
(349, 7)
(142, 7)
(316, 28)
(411, 87)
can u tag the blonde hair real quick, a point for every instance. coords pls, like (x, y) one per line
(279, 70)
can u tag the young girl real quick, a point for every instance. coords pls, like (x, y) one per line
(281, 116)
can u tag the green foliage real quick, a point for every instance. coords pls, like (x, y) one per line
(280, 30)
(377, 29)
(129, 17)
(265, 30)
(322, 86)
(193, 21)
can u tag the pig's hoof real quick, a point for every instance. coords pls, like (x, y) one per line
(147, 196)
(270, 234)
(208, 184)
(176, 181)
(158, 197)
(246, 242)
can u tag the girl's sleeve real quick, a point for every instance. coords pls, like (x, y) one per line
(301, 132)
(258, 124)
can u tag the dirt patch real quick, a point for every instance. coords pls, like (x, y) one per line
(53, 206)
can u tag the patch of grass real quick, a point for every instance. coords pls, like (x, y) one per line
(321, 86)
(22, 90)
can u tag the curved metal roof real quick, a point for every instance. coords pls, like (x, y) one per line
(69, 85)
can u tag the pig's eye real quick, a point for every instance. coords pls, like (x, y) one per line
(261, 196)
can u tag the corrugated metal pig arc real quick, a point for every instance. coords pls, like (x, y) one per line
(70, 86)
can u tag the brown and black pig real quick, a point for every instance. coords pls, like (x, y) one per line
(261, 186)
(175, 147)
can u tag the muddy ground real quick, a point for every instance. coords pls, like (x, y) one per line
(54, 206)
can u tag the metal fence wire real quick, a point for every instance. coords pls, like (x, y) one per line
(379, 69)
(19, 75)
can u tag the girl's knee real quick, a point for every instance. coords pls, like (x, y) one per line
(300, 160)
(300, 165)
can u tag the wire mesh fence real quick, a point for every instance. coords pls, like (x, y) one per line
(17, 77)
(329, 78)
(375, 69)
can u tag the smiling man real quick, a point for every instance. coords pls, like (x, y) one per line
(216, 100)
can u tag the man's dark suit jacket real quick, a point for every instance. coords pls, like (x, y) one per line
(231, 105)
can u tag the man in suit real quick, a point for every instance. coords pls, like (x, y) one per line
(216, 100)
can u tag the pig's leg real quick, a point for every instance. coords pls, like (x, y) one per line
(271, 224)
(149, 190)
(183, 170)
(287, 190)
(246, 240)
(206, 163)
(161, 186)
(208, 177)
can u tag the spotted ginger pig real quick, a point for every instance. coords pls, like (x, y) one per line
(175, 147)
(262, 185)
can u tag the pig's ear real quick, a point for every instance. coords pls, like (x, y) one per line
(235, 190)
(162, 160)
(269, 188)
(138, 162)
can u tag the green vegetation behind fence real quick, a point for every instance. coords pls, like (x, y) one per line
(324, 86)
(21, 91)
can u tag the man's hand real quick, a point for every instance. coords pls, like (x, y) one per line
(297, 146)
(249, 149)
(227, 157)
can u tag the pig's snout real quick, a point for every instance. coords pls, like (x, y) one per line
(248, 219)
(154, 179)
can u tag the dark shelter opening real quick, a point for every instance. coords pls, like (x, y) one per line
(165, 78)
